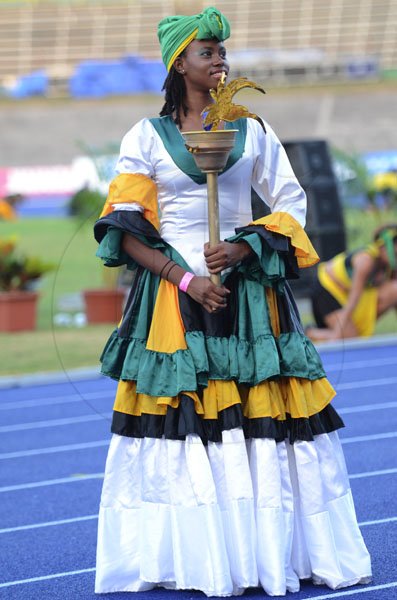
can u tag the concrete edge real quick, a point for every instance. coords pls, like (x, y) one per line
(389, 339)
(81, 374)
(46, 378)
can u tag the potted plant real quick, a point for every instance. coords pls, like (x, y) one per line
(105, 304)
(19, 276)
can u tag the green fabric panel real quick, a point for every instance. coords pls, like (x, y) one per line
(266, 266)
(175, 146)
(138, 317)
(298, 357)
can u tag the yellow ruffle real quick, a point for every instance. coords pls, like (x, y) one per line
(134, 187)
(129, 402)
(285, 224)
(300, 398)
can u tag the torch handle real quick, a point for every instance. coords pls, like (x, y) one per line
(213, 216)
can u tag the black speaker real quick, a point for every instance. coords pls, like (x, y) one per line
(312, 165)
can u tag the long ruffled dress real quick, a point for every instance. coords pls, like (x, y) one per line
(225, 470)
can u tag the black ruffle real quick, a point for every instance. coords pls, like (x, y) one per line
(181, 421)
(129, 221)
(278, 242)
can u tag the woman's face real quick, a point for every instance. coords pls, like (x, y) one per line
(203, 63)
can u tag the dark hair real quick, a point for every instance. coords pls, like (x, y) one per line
(175, 95)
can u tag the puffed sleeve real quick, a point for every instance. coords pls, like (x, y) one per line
(273, 178)
(133, 188)
(136, 150)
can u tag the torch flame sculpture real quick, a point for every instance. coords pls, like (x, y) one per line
(211, 148)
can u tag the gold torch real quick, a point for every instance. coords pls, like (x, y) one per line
(211, 149)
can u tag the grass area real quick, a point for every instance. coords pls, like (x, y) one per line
(52, 350)
(71, 246)
(360, 224)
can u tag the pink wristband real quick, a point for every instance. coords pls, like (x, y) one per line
(184, 282)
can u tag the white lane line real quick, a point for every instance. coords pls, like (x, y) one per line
(373, 473)
(87, 396)
(76, 478)
(49, 524)
(365, 407)
(53, 449)
(55, 422)
(357, 385)
(52, 400)
(45, 577)
(369, 438)
(378, 522)
(37, 484)
(95, 517)
(360, 590)
(361, 364)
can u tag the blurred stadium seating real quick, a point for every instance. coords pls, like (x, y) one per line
(283, 40)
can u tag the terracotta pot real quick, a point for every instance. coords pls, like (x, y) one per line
(18, 310)
(104, 305)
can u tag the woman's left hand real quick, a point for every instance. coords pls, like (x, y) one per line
(224, 255)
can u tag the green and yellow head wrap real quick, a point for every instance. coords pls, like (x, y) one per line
(175, 33)
(386, 237)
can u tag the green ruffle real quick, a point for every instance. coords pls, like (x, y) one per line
(112, 255)
(265, 266)
(162, 374)
(155, 373)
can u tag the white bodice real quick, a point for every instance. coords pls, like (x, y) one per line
(183, 203)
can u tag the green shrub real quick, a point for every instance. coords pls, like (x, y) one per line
(87, 204)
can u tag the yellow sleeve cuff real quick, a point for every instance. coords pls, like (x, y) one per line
(134, 187)
(284, 224)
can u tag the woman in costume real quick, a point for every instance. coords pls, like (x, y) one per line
(225, 470)
(354, 289)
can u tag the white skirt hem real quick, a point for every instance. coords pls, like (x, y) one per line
(227, 517)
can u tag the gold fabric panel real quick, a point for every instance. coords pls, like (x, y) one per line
(167, 333)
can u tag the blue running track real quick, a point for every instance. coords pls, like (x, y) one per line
(53, 445)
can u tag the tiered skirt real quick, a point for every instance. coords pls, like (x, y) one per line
(225, 470)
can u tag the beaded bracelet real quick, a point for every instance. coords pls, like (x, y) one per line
(163, 267)
(169, 271)
(184, 282)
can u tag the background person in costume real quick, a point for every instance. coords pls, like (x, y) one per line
(7, 207)
(354, 289)
(225, 470)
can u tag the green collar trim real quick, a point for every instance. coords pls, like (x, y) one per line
(175, 146)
